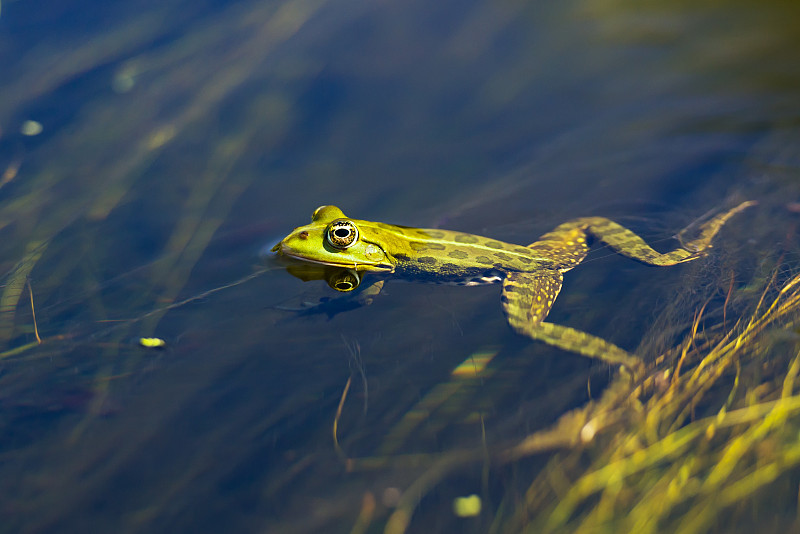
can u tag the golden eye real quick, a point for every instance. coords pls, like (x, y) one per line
(344, 280)
(342, 234)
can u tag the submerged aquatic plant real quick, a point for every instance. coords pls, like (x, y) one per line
(708, 429)
(711, 427)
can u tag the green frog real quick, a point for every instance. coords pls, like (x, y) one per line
(343, 249)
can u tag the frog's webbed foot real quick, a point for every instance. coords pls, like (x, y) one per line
(527, 299)
(709, 229)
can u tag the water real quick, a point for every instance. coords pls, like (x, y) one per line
(180, 137)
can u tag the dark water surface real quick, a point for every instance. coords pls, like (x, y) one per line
(179, 137)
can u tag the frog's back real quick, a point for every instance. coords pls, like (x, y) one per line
(457, 256)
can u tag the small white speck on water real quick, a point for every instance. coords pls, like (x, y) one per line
(31, 128)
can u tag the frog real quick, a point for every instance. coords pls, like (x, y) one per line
(344, 249)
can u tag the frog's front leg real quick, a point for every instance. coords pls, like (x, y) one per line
(527, 299)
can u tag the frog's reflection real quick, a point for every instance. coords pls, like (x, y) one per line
(338, 278)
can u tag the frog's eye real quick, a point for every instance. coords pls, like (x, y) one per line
(342, 234)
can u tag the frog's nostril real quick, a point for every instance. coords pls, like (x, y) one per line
(303, 235)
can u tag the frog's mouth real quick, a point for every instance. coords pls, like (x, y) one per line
(362, 266)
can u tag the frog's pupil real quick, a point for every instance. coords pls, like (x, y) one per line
(342, 232)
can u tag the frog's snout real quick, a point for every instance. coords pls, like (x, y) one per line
(269, 248)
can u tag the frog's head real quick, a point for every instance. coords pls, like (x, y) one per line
(333, 239)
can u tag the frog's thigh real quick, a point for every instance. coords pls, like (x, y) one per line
(565, 246)
(528, 297)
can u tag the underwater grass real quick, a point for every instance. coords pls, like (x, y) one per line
(664, 469)
(710, 428)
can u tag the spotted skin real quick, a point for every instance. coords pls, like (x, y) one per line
(532, 276)
(528, 297)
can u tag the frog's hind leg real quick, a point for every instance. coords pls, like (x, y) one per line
(573, 340)
(527, 299)
(631, 245)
